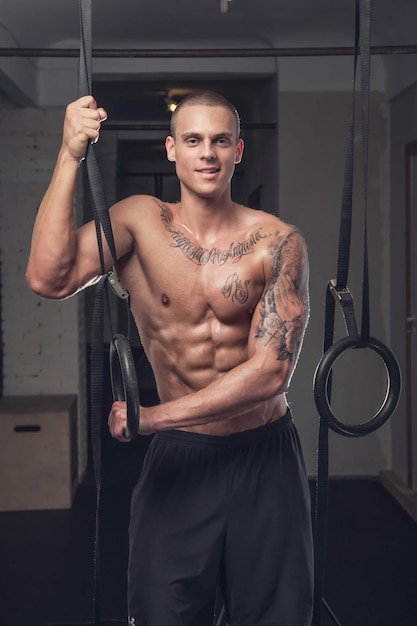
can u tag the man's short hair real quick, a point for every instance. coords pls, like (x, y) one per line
(206, 98)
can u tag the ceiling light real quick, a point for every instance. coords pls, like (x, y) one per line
(223, 5)
(171, 104)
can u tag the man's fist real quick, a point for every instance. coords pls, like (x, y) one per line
(82, 124)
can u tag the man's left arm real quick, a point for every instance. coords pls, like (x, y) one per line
(275, 340)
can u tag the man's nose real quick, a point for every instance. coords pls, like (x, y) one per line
(207, 151)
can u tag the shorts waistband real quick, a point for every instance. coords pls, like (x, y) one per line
(246, 437)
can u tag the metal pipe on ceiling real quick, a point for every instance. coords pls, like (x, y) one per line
(131, 126)
(203, 53)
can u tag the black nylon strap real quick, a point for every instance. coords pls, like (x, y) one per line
(347, 193)
(103, 225)
(100, 206)
(96, 382)
(365, 44)
(102, 220)
(362, 40)
(340, 292)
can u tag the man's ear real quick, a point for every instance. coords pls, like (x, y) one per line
(170, 148)
(239, 151)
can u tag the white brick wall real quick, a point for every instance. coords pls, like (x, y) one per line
(41, 343)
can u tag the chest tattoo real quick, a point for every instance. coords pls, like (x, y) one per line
(202, 256)
(235, 289)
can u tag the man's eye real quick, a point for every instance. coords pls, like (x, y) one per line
(191, 141)
(223, 140)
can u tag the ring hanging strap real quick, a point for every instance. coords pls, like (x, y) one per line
(337, 291)
(101, 213)
(123, 371)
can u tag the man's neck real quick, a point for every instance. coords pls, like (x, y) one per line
(206, 218)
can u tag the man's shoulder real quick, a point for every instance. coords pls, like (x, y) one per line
(137, 201)
(137, 207)
(274, 222)
(284, 239)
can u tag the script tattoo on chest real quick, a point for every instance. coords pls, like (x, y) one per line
(284, 305)
(202, 256)
(235, 289)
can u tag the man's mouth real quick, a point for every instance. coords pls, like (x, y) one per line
(209, 171)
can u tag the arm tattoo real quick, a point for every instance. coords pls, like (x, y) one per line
(235, 289)
(284, 304)
(201, 256)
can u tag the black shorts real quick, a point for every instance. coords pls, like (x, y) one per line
(232, 512)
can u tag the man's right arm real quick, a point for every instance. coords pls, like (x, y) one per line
(63, 259)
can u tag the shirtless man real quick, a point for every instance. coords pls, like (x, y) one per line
(219, 293)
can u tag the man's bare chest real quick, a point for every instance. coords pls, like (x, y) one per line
(226, 275)
(227, 289)
(191, 281)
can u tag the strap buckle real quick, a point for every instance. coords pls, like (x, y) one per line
(117, 288)
(338, 293)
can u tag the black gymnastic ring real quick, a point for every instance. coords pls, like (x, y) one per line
(124, 382)
(321, 378)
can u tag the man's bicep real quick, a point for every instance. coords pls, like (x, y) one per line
(88, 257)
(282, 313)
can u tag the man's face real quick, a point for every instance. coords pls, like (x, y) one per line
(205, 148)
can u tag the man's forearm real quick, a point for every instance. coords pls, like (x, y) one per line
(235, 393)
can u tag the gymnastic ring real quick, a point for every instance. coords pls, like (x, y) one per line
(321, 378)
(124, 382)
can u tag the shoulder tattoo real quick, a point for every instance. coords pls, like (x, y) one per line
(284, 304)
